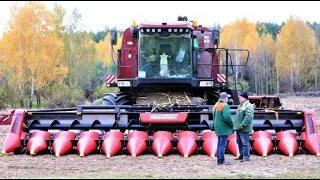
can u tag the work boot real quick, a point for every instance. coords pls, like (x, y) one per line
(239, 158)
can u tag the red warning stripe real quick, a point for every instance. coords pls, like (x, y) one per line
(110, 78)
(221, 77)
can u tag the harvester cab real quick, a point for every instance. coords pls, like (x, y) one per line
(179, 56)
(163, 57)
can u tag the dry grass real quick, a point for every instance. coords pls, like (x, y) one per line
(167, 98)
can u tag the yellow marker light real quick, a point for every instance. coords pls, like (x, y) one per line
(108, 155)
(195, 23)
(186, 155)
(134, 23)
(32, 153)
(212, 155)
(3, 152)
(264, 154)
(318, 154)
(133, 155)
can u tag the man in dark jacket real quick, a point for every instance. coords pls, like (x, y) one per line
(223, 125)
(243, 126)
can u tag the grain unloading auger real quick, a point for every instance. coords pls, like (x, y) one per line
(135, 130)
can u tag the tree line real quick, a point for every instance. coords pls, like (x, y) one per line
(48, 60)
(283, 58)
(47, 56)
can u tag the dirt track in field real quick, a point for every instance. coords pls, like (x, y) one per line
(196, 166)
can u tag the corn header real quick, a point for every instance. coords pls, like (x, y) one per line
(179, 56)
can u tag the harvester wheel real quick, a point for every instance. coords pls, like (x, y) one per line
(117, 98)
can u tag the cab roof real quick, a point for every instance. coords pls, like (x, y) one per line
(175, 24)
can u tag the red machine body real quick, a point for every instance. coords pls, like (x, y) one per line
(179, 56)
(128, 62)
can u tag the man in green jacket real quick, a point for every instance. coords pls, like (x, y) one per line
(223, 125)
(243, 126)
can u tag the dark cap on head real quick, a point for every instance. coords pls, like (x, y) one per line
(223, 95)
(244, 94)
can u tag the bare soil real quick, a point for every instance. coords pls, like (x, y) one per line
(150, 166)
(295, 102)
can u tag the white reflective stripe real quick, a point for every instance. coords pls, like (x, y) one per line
(221, 77)
(110, 78)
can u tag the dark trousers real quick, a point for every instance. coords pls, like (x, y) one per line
(222, 144)
(243, 145)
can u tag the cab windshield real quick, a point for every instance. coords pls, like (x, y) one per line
(165, 54)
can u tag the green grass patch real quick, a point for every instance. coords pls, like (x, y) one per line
(104, 89)
(278, 176)
(298, 176)
(43, 104)
(150, 176)
(98, 102)
(99, 176)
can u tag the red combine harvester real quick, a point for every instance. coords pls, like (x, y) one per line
(175, 57)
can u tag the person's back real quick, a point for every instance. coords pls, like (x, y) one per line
(223, 125)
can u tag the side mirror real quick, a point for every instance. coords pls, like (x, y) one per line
(114, 37)
(216, 37)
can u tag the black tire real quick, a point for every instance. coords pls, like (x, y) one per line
(117, 98)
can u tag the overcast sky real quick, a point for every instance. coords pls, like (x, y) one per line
(97, 15)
